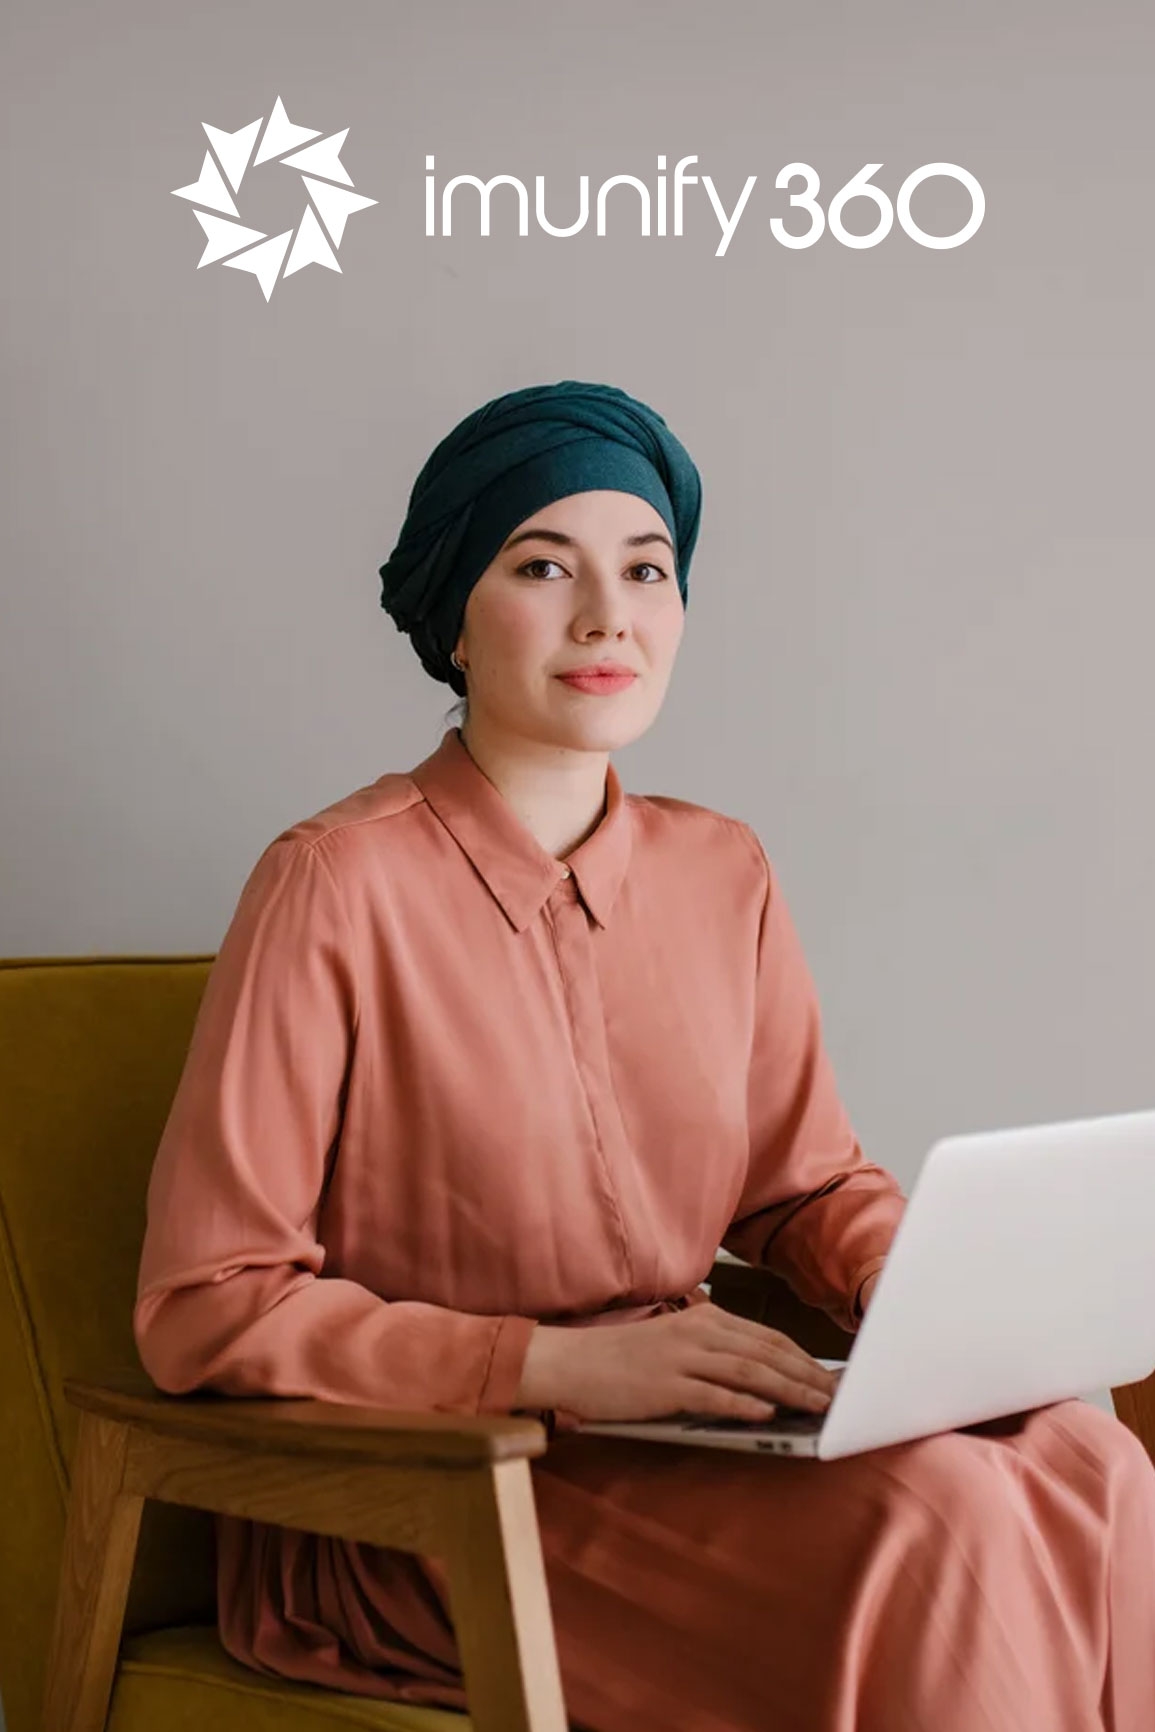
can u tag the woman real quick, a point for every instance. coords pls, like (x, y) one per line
(493, 1057)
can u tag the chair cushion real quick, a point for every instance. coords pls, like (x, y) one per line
(181, 1680)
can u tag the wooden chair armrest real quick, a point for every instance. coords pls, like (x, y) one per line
(321, 1431)
(454, 1487)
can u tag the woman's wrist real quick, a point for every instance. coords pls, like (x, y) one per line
(542, 1382)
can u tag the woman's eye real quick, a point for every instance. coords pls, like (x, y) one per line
(529, 565)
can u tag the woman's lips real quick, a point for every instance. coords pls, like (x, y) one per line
(590, 682)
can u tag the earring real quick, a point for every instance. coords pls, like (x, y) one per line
(460, 666)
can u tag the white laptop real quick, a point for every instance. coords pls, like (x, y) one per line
(1023, 1272)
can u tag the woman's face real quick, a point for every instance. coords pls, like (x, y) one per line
(588, 578)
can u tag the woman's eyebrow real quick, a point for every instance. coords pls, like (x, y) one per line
(560, 540)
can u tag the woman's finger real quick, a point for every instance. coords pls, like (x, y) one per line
(715, 1400)
(776, 1349)
(753, 1376)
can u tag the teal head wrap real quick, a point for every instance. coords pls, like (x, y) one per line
(512, 457)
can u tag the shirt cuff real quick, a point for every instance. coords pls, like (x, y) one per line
(506, 1362)
(859, 1279)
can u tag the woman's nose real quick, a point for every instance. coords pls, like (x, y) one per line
(603, 606)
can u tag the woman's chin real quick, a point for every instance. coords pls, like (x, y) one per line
(606, 728)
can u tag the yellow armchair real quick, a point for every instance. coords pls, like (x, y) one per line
(107, 1566)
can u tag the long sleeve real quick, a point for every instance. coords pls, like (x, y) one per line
(812, 1209)
(232, 1292)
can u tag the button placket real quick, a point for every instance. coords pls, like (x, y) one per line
(570, 926)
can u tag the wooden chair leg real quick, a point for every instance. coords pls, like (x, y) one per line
(1135, 1406)
(99, 1548)
(500, 1602)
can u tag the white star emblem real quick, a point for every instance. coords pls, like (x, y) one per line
(328, 206)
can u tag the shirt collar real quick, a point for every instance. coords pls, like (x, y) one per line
(519, 872)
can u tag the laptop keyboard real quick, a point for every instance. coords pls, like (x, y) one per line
(794, 1420)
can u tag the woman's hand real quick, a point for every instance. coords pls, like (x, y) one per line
(701, 1360)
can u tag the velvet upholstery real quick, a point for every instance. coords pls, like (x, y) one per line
(90, 1053)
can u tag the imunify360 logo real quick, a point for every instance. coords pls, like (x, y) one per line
(805, 199)
(329, 199)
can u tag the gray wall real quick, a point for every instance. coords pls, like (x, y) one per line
(918, 646)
